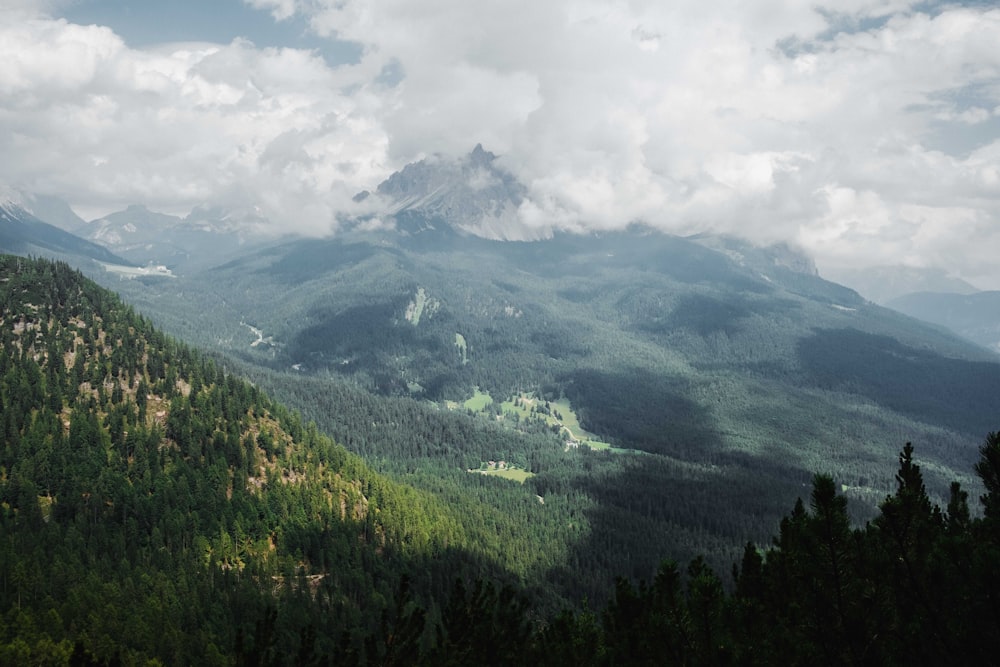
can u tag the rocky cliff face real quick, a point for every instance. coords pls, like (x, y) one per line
(761, 258)
(471, 194)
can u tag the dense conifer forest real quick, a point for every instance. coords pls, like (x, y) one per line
(156, 508)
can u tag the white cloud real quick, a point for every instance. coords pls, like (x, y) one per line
(281, 10)
(822, 123)
(105, 125)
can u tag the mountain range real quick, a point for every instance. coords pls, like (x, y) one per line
(884, 284)
(716, 335)
(557, 408)
(23, 233)
(706, 376)
(975, 316)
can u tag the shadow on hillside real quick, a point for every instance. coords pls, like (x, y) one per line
(954, 393)
(688, 495)
(651, 509)
(645, 410)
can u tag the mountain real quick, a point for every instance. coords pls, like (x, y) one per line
(47, 208)
(882, 284)
(546, 413)
(22, 233)
(931, 295)
(470, 195)
(207, 236)
(765, 259)
(973, 316)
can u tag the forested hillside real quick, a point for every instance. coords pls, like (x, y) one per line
(154, 506)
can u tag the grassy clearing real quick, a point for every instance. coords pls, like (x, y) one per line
(559, 413)
(517, 474)
(606, 447)
(478, 402)
(570, 420)
(463, 347)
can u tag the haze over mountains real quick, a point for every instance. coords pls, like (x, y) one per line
(470, 195)
(22, 232)
(562, 313)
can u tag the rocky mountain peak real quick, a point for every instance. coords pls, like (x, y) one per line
(471, 194)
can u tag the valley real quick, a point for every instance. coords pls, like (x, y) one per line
(709, 385)
(544, 414)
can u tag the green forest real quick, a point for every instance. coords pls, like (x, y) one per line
(158, 507)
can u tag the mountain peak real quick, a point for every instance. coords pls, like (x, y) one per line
(47, 208)
(24, 233)
(470, 194)
(480, 156)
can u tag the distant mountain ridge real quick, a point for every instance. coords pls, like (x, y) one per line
(974, 316)
(882, 284)
(22, 233)
(206, 236)
(764, 258)
(53, 210)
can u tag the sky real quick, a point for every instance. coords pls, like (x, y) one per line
(866, 132)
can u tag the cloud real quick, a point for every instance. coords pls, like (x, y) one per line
(777, 121)
(281, 10)
(104, 125)
(862, 130)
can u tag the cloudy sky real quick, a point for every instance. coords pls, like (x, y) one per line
(865, 131)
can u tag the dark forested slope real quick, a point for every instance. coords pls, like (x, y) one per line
(918, 585)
